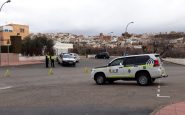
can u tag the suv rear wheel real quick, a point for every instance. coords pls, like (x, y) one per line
(143, 79)
(100, 79)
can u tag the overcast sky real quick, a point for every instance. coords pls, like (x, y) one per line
(90, 17)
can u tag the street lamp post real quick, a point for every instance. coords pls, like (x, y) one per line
(126, 34)
(1, 37)
(128, 25)
(111, 40)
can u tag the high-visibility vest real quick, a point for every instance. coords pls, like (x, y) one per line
(53, 57)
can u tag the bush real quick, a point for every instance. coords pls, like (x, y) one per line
(117, 51)
(175, 53)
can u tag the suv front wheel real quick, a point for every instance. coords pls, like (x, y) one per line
(100, 79)
(143, 79)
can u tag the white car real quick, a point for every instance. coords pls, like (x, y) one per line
(144, 69)
(66, 59)
(76, 56)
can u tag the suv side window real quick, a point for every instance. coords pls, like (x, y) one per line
(117, 62)
(130, 61)
(141, 60)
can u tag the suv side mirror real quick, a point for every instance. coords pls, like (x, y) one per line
(121, 64)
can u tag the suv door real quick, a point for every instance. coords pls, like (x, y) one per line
(130, 67)
(116, 68)
(133, 64)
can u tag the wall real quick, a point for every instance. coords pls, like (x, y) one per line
(13, 58)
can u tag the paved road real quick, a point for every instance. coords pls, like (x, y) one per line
(31, 91)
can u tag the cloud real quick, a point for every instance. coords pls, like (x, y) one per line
(94, 16)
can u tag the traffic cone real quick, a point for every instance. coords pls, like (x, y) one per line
(86, 70)
(50, 71)
(7, 73)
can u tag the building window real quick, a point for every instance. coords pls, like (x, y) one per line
(21, 30)
(6, 30)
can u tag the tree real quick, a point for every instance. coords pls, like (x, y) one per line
(16, 44)
(35, 45)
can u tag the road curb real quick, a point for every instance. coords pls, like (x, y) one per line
(157, 109)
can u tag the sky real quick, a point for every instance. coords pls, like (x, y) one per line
(91, 17)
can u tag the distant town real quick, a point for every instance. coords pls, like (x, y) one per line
(169, 43)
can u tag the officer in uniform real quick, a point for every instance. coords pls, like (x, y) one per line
(52, 58)
(47, 60)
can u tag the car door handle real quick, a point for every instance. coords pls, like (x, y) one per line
(120, 67)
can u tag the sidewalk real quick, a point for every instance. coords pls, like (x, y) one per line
(174, 109)
(175, 60)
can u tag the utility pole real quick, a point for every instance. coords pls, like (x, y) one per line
(1, 37)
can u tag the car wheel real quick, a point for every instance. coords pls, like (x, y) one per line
(100, 79)
(143, 79)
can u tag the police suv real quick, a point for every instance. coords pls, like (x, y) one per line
(144, 69)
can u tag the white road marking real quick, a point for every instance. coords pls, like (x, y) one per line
(164, 86)
(159, 90)
(158, 95)
(7, 87)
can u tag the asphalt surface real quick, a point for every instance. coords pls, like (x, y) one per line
(30, 90)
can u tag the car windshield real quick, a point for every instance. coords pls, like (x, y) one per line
(67, 56)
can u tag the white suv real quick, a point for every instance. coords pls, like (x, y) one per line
(144, 69)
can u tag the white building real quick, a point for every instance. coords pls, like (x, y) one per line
(62, 47)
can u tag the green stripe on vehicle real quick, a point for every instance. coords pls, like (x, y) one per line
(131, 76)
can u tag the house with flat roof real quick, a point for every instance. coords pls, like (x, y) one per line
(9, 30)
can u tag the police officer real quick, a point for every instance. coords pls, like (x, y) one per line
(47, 60)
(52, 58)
